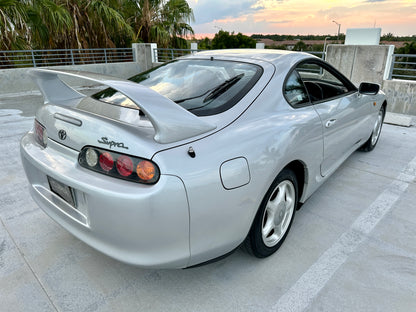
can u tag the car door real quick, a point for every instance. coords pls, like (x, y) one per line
(340, 108)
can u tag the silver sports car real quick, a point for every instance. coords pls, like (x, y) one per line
(183, 163)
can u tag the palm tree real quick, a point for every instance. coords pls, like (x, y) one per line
(95, 24)
(177, 15)
(13, 27)
(81, 24)
(48, 21)
(158, 20)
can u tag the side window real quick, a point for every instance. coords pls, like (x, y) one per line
(295, 91)
(320, 82)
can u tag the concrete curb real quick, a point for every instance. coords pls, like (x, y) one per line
(398, 119)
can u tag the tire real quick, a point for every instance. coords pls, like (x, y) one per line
(274, 217)
(375, 134)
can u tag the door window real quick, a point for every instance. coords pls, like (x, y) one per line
(321, 82)
(294, 90)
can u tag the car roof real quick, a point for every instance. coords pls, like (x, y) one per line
(268, 55)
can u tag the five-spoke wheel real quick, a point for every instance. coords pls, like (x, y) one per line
(375, 134)
(274, 217)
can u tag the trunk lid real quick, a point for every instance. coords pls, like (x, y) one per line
(89, 122)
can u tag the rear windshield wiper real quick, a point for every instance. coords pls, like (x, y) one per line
(191, 98)
(221, 88)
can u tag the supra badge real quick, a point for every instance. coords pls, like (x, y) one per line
(104, 140)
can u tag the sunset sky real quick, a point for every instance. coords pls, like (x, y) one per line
(302, 16)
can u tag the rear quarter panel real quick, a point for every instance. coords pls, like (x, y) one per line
(270, 134)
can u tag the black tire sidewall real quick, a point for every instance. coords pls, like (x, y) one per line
(258, 248)
(368, 146)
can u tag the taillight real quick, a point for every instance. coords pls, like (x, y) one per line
(41, 137)
(145, 170)
(118, 165)
(125, 166)
(106, 161)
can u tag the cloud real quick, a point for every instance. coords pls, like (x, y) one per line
(282, 22)
(206, 11)
(300, 17)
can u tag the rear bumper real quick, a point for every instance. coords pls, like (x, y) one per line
(143, 225)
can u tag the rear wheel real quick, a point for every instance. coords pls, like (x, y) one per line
(372, 141)
(274, 217)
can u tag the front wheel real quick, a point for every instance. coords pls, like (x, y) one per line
(375, 134)
(274, 217)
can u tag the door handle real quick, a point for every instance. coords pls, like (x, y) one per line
(330, 122)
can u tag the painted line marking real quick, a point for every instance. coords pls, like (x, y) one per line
(308, 286)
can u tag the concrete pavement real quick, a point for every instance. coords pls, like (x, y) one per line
(352, 246)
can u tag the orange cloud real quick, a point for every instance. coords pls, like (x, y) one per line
(307, 17)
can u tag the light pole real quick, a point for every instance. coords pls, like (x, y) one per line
(339, 27)
(325, 46)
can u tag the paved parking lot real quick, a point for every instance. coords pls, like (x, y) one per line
(352, 246)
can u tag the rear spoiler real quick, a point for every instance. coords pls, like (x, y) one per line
(171, 122)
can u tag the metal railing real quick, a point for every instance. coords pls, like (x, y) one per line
(319, 54)
(38, 58)
(164, 55)
(403, 66)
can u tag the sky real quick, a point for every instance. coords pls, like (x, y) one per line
(315, 17)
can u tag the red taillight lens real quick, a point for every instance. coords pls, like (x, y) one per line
(41, 136)
(119, 165)
(124, 165)
(106, 161)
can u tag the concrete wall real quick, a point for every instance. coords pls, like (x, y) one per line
(372, 64)
(360, 63)
(18, 80)
(401, 96)
(143, 54)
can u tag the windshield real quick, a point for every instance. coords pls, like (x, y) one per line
(203, 87)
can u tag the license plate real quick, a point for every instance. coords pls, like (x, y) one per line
(62, 190)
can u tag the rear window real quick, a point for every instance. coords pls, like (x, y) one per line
(203, 87)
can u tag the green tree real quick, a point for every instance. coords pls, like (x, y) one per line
(317, 47)
(163, 22)
(96, 24)
(225, 40)
(300, 46)
(13, 26)
(48, 22)
(388, 37)
(204, 44)
(408, 48)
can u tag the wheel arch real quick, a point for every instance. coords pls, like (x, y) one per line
(384, 105)
(300, 170)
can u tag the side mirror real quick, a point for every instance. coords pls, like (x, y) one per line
(369, 88)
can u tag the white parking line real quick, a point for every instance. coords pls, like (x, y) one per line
(308, 286)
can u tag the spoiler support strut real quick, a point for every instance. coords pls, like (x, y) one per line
(171, 122)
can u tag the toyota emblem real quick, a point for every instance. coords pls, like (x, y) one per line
(62, 134)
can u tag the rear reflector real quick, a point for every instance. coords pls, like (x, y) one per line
(41, 137)
(118, 165)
